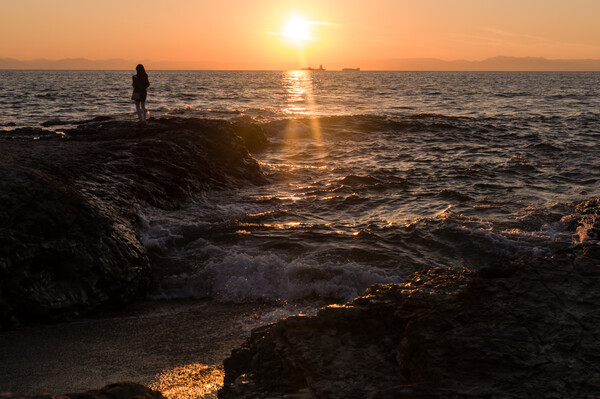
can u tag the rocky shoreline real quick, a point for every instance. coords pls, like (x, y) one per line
(526, 329)
(69, 246)
(69, 243)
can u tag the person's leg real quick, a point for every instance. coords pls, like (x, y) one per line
(143, 104)
(138, 108)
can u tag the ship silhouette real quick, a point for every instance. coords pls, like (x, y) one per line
(320, 68)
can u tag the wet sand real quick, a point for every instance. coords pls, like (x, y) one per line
(151, 343)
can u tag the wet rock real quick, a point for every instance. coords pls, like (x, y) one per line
(68, 220)
(55, 122)
(101, 118)
(344, 351)
(527, 328)
(121, 390)
(252, 134)
(29, 131)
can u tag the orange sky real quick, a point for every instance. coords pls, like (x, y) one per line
(242, 34)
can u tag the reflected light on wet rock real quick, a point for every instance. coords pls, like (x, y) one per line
(194, 380)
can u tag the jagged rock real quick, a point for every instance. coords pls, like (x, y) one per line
(523, 329)
(68, 220)
(344, 351)
(121, 390)
(529, 329)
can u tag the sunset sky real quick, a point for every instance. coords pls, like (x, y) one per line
(242, 34)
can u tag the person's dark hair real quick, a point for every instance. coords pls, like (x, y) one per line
(141, 72)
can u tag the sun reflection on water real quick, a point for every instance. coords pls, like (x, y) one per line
(300, 103)
(193, 380)
(299, 93)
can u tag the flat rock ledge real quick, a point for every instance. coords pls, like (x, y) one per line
(529, 328)
(69, 242)
(121, 390)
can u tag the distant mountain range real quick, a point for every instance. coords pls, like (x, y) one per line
(86, 64)
(500, 63)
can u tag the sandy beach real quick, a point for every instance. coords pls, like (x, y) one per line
(143, 344)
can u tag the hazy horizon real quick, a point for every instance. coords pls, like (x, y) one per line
(498, 63)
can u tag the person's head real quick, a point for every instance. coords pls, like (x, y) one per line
(141, 72)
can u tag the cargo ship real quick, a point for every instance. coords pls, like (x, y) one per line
(320, 68)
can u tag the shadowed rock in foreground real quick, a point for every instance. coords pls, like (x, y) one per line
(121, 390)
(68, 218)
(527, 329)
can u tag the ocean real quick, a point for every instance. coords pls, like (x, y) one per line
(371, 175)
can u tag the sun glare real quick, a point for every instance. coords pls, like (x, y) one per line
(297, 28)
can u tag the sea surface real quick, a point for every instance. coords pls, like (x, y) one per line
(372, 175)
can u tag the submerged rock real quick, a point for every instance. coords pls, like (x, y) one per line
(524, 329)
(55, 122)
(100, 118)
(68, 220)
(121, 390)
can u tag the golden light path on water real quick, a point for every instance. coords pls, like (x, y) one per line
(197, 380)
(301, 103)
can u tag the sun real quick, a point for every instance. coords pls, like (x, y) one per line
(297, 28)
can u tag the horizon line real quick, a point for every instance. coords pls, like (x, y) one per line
(498, 63)
(297, 69)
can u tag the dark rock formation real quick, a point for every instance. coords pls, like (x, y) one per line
(529, 329)
(68, 219)
(344, 351)
(525, 329)
(101, 118)
(55, 122)
(251, 133)
(26, 133)
(121, 390)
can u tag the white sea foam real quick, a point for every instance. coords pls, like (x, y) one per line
(239, 273)
(583, 233)
(233, 275)
(160, 229)
(520, 239)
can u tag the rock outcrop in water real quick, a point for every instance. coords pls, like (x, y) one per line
(68, 219)
(525, 329)
(121, 390)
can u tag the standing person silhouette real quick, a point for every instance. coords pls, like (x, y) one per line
(140, 84)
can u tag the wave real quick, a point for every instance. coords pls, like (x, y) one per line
(237, 276)
(245, 272)
(453, 238)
